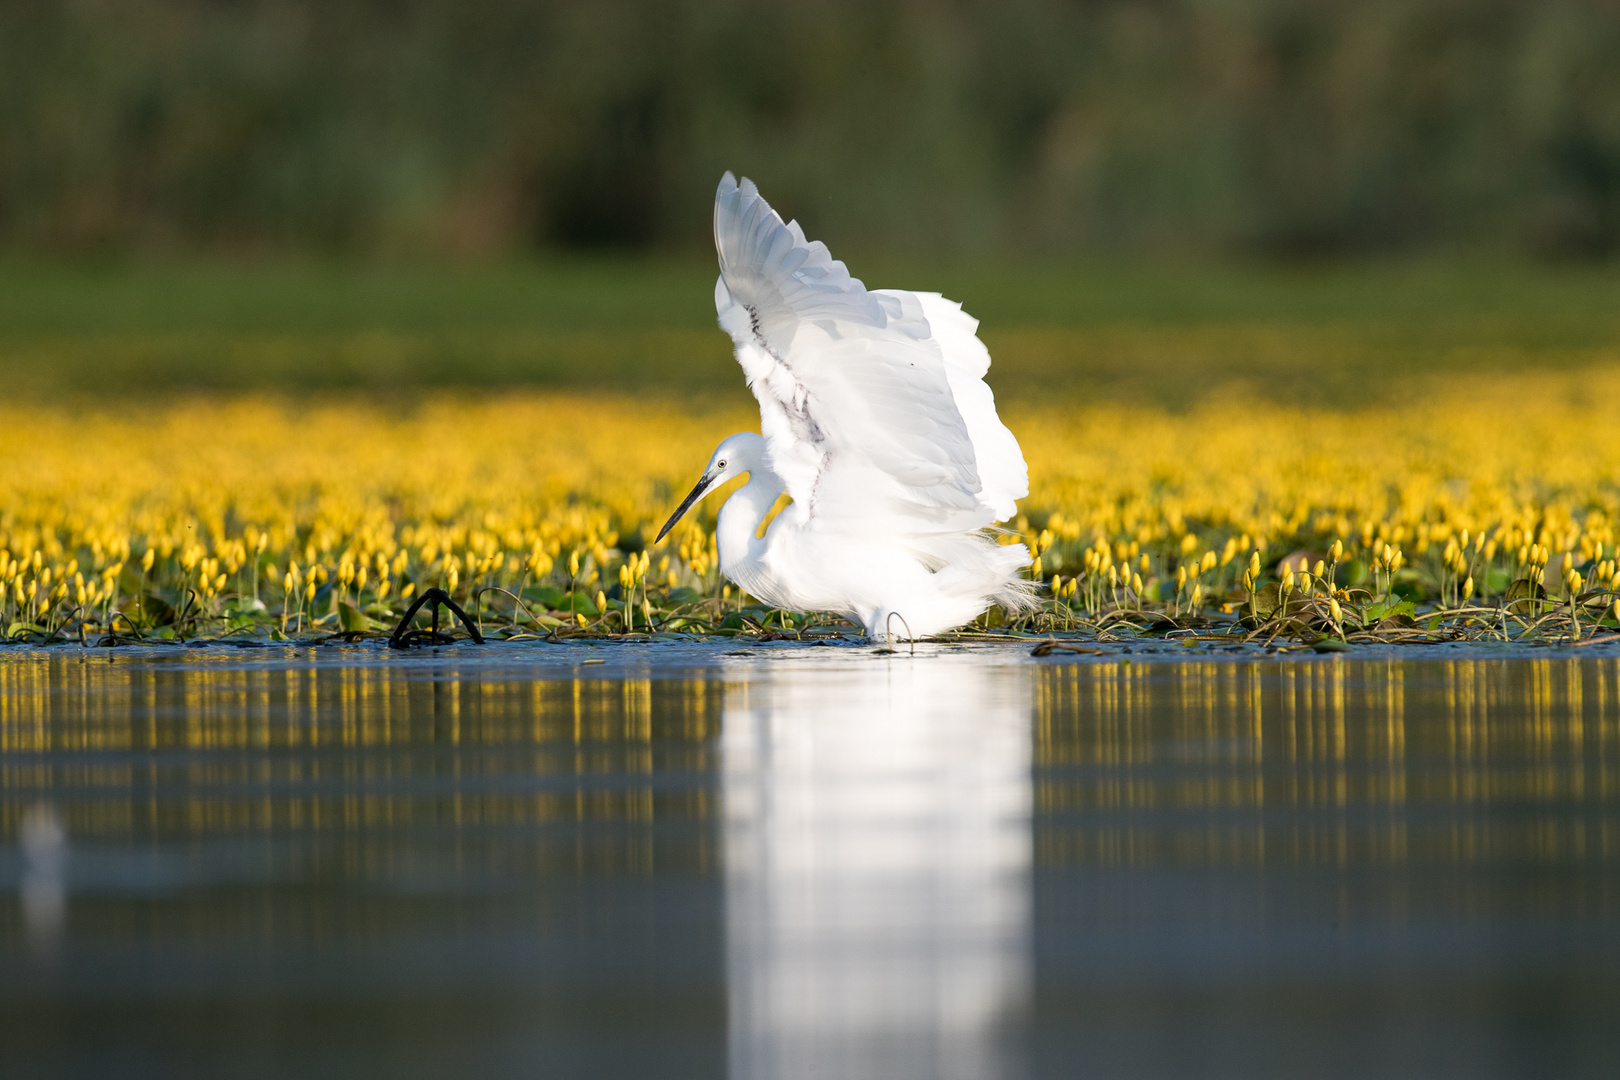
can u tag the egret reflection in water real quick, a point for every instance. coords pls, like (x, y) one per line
(500, 861)
(877, 870)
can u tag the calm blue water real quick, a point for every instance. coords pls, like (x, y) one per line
(793, 861)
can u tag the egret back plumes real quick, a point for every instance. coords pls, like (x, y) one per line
(876, 421)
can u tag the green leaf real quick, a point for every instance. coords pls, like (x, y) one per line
(352, 618)
(1525, 595)
(582, 603)
(150, 610)
(545, 594)
(1525, 589)
(1389, 609)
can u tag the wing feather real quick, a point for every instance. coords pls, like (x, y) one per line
(859, 403)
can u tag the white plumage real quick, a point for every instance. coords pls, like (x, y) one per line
(876, 421)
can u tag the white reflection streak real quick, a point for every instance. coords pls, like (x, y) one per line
(43, 838)
(878, 853)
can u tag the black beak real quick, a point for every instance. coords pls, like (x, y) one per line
(697, 493)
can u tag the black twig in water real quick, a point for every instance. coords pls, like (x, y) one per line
(403, 637)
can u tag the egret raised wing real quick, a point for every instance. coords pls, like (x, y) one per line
(853, 386)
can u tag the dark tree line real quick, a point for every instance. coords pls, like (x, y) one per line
(478, 127)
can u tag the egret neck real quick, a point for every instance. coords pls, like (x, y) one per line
(741, 548)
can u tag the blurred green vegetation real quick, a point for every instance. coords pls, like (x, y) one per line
(1339, 334)
(894, 128)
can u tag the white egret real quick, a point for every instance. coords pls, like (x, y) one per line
(877, 424)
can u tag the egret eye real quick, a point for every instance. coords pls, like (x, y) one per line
(720, 464)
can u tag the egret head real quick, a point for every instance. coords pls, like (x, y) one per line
(738, 454)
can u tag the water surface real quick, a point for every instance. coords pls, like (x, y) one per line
(791, 861)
